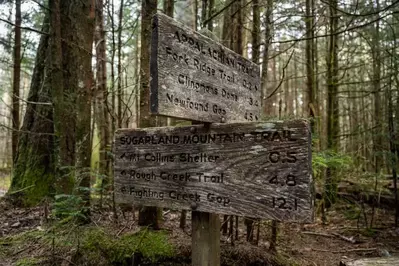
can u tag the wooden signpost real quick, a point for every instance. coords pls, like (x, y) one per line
(196, 78)
(260, 169)
(256, 169)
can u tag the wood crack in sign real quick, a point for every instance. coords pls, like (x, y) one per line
(259, 169)
(196, 78)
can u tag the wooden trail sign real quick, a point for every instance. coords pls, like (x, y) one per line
(196, 78)
(260, 169)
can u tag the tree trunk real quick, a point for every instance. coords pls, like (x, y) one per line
(113, 51)
(148, 216)
(378, 121)
(204, 9)
(237, 35)
(210, 13)
(249, 222)
(102, 103)
(332, 99)
(16, 78)
(267, 103)
(255, 31)
(85, 20)
(195, 7)
(120, 91)
(310, 99)
(34, 166)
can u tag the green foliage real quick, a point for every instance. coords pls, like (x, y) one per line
(352, 212)
(69, 207)
(329, 159)
(153, 245)
(28, 262)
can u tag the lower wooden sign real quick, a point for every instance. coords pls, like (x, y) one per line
(260, 170)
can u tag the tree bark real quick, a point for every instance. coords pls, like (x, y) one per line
(169, 7)
(332, 99)
(210, 13)
(85, 20)
(16, 78)
(34, 166)
(310, 99)
(57, 142)
(255, 31)
(102, 94)
(148, 216)
(267, 103)
(120, 91)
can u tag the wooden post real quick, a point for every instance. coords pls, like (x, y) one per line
(205, 233)
(205, 239)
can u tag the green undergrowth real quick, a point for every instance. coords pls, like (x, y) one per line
(85, 245)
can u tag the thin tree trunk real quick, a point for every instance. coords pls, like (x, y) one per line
(169, 7)
(204, 12)
(120, 79)
(210, 13)
(392, 146)
(249, 222)
(148, 216)
(378, 129)
(195, 7)
(113, 49)
(102, 103)
(332, 102)
(16, 78)
(310, 99)
(267, 103)
(137, 82)
(255, 31)
(273, 240)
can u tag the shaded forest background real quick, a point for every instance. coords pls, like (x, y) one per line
(72, 72)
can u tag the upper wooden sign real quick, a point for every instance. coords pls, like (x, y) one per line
(260, 169)
(196, 78)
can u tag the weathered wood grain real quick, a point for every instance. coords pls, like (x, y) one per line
(195, 78)
(205, 241)
(258, 169)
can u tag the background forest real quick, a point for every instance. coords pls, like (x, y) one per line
(73, 71)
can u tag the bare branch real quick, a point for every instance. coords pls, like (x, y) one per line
(24, 28)
(282, 78)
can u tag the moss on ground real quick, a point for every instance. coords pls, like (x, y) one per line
(85, 245)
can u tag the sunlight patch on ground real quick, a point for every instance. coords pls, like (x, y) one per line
(5, 181)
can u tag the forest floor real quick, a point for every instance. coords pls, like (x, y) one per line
(28, 238)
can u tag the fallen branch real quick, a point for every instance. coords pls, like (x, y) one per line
(356, 250)
(316, 234)
(348, 239)
(346, 250)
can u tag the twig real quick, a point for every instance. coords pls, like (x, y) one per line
(70, 262)
(23, 28)
(282, 78)
(120, 231)
(218, 13)
(348, 239)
